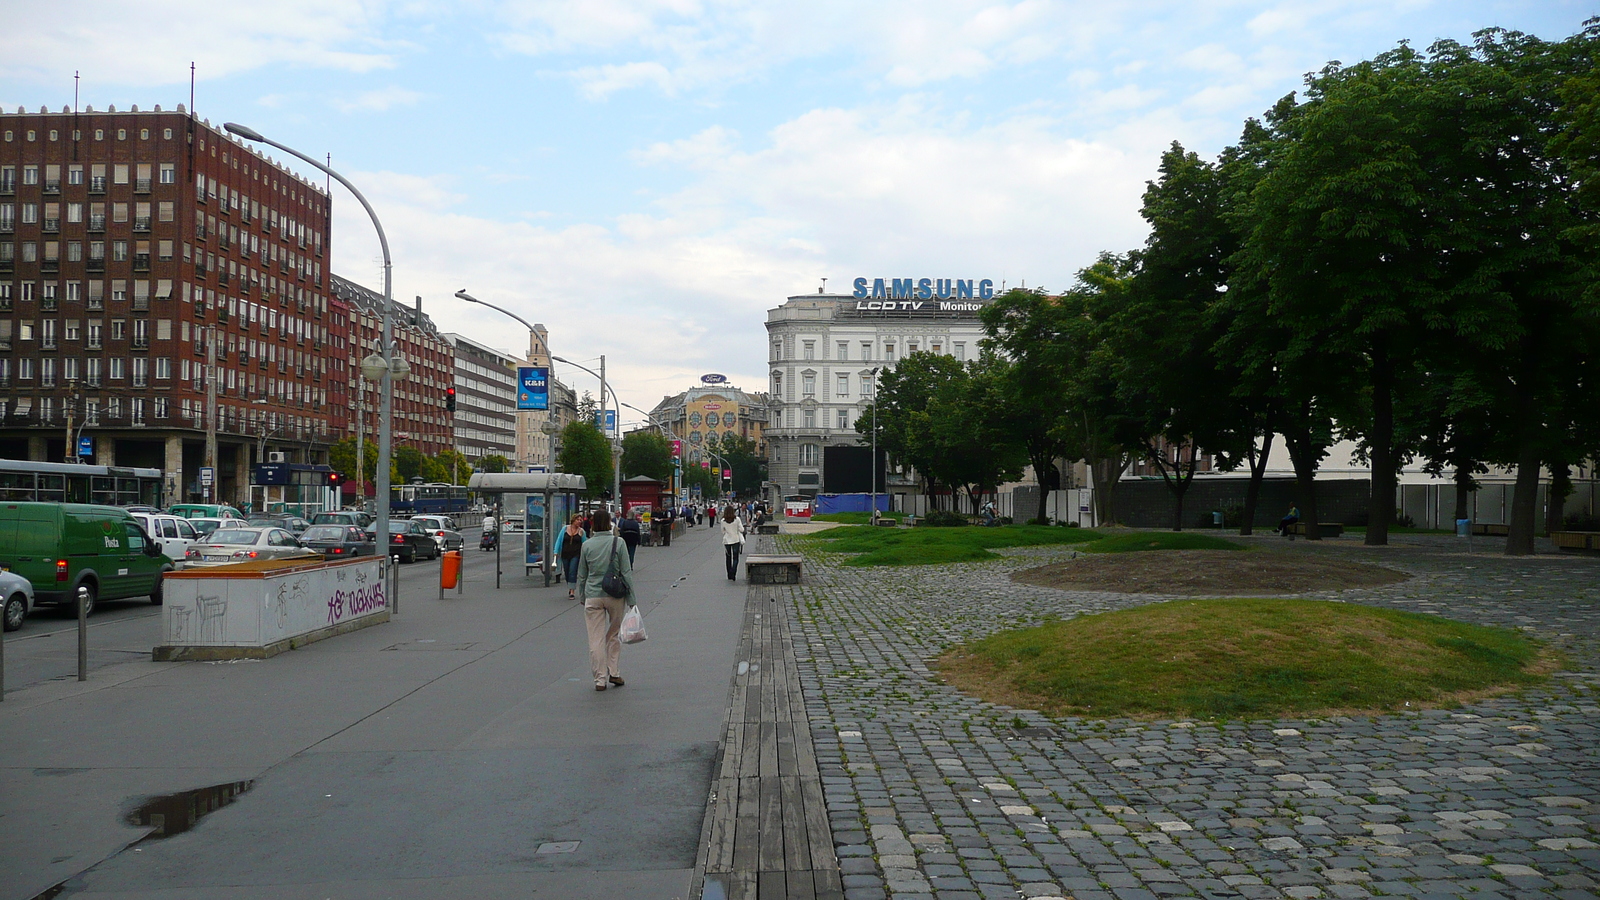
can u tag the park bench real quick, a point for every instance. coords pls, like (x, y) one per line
(772, 569)
(1491, 529)
(1325, 529)
(1576, 540)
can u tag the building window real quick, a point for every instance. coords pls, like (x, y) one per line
(842, 385)
(844, 349)
(777, 385)
(141, 371)
(961, 350)
(911, 347)
(843, 423)
(888, 352)
(47, 372)
(75, 174)
(810, 454)
(91, 366)
(70, 330)
(810, 349)
(163, 369)
(809, 419)
(117, 368)
(808, 385)
(867, 386)
(93, 343)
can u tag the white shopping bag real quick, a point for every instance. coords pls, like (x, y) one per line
(632, 626)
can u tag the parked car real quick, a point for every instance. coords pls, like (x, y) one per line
(443, 530)
(173, 534)
(205, 510)
(206, 524)
(67, 550)
(343, 517)
(290, 523)
(18, 594)
(234, 545)
(339, 541)
(409, 540)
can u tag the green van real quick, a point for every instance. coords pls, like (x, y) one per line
(66, 549)
(205, 511)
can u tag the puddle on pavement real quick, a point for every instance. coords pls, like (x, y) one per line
(176, 813)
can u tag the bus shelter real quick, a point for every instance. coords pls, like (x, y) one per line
(544, 499)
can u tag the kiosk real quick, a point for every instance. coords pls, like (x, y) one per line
(543, 497)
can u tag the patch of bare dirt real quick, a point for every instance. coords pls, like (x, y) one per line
(1207, 573)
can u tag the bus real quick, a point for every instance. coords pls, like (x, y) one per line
(429, 500)
(50, 482)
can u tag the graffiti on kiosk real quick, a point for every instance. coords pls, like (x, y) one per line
(348, 604)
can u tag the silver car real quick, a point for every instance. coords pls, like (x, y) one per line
(235, 545)
(18, 594)
(442, 530)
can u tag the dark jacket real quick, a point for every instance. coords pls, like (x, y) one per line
(629, 529)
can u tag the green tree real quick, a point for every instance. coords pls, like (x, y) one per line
(749, 469)
(493, 462)
(1024, 325)
(695, 476)
(342, 458)
(454, 465)
(647, 453)
(408, 463)
(586, 452)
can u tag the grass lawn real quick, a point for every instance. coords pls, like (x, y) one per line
(1244, 658)
(927, 546)
(1161, 540)
(856, 518)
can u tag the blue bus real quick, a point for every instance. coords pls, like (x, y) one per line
(429, 500)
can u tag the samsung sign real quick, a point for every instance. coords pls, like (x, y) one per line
(923, 289)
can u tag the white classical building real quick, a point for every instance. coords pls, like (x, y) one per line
(823, 350)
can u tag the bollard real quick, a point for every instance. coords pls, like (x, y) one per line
(461, 580)
(394, 579)
(83, 632)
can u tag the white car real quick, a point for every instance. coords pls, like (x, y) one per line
(442, 529)
(173, 534)
(18, 597)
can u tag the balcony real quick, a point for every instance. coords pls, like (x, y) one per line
(200, 268)
(52, 224)
(50, 266)
(223, 278)
(48, 304)
(97, 223)
(52, 186)
(222, 240)
(141, 304)
(141, 185)
(48, 343)
(96, 264)
(200, 232)
(7, 265)
(8, 225)
(141, 223)
(9, 185)
(141, 343)
(97, 184)
(96, 304)
(5, 306)
(141, 262)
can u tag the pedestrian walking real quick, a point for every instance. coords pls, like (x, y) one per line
(732, 540)
(602, 613)
(569, 546)
(628, 527)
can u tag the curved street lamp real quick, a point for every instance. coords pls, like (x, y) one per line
(387, 368)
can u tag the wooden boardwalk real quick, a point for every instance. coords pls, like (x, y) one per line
(766, 834)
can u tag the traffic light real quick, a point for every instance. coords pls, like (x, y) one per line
(450, 399)
(335, 479)
(606, 494)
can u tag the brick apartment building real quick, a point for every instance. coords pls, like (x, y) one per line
(419, 415)
(135, 245)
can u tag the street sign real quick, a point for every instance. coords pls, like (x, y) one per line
(610, 426)
(207, 476)
(86, 446)
(533, 387)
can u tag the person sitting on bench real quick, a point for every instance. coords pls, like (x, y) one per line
(1288, 520)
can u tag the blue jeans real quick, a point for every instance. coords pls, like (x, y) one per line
(569, 567)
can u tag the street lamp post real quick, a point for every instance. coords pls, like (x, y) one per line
(387, 360)
(616, 455)
(875, 445)
(549, 413)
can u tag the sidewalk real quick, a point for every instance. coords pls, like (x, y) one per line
(444, 754)
(934, 794)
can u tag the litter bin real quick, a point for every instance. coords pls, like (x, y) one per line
(1463, 527)
(449, 569)
(1216, 519)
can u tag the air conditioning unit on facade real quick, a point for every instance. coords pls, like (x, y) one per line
(277, 456)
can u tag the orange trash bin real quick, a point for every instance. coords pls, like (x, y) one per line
(449, 569)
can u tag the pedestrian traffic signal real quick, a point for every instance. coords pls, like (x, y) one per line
(450, 399)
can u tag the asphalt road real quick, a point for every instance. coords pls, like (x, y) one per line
(459, 750)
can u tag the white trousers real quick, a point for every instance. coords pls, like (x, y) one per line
(603, 617)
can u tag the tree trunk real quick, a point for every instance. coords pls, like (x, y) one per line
(1525, 500)
(1556, 500)
(1380, 505)
(1303, 455)
(1252, 494)
(1465, 485)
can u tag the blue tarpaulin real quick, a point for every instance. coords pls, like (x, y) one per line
(839, 503)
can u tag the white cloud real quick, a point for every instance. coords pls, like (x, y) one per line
(378, 100)
(100, 40)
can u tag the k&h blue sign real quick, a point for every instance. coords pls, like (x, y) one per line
(533, 387)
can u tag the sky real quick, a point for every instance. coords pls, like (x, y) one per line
(646, 178)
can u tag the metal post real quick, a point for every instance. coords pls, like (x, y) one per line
(211, 408)
(83, 632)
(394, 565)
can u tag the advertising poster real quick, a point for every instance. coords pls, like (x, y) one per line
(533, 387)
(534, 536)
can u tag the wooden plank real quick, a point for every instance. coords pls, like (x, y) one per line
(819, 834)
(720, 833)
(747, 826)
(750, 752)
(769, 856)
(828, 883)
(772, 885)
(787, 765)
(769, 749)
(796, 846)
(800, 886)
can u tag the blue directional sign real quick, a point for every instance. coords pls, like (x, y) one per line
(609, 428)
(86, 446)
(533, 387)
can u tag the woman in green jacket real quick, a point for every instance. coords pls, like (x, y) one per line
(602, 613)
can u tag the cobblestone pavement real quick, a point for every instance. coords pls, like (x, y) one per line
(934, 794)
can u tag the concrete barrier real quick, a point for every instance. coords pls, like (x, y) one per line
(259, 609)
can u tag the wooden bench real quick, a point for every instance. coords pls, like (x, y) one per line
(1576, 540)
(767, 528)
(772, 569)
(1325, 529)
(1491, 529)
(888, 523)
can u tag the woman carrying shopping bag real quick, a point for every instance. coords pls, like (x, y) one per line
(732, 539)
(605, 585)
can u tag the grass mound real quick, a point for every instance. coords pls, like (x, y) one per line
(929, 546)
(856, 518)
(1161, 540)
(1248, 658)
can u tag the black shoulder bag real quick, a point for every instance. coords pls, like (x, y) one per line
(611, 582)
